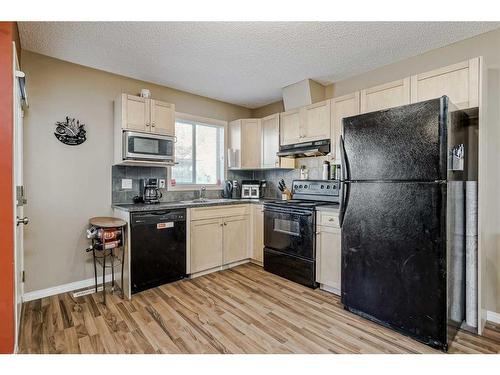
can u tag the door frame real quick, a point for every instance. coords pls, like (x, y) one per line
(7, 319)
(17, 167)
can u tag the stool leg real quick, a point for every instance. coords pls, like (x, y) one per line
(104, 274)
(95, 269)
(112, 270)
(123, 261)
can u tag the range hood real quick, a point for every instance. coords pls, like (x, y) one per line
(302, 93)
(305, 149)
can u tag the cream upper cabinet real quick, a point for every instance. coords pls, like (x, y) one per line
(388, 95)
(309, 123)
(315, 124)
(329, 257)
(145, 115)
(235, 238)
(250, 143)
(460, 82)
(290, 131)
(135, 113)
(270, 141)
(206, 244)
(343, 106)
(244, 144)
(162, 117)
(258, 233)
(234, 144)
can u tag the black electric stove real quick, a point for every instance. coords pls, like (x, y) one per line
(290, 230)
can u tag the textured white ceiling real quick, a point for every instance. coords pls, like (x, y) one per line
(245, 63)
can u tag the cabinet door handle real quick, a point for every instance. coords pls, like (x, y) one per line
(153, 124)
(147, 123)
(225, 223)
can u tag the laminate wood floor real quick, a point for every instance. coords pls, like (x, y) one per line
(240, 310)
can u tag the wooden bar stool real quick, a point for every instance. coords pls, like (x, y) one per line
(108, 237)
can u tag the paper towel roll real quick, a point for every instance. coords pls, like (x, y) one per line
(471, 253)
(456, 278)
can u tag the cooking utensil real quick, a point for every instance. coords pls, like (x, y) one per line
(281, 185)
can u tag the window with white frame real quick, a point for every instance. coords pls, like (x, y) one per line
(199, 153)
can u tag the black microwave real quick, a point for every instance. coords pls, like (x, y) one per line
(148, 147)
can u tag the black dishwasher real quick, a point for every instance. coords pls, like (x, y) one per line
(158, 248)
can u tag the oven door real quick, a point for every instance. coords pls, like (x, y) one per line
(290, 231)
(144, 146)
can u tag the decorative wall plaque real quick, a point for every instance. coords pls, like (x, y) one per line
(71, 132)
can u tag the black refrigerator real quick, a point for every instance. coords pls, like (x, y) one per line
(402, 218)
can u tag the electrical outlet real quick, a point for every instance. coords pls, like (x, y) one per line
(161, 183)
(126, 183)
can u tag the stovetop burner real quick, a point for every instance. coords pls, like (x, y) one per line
(309, 194)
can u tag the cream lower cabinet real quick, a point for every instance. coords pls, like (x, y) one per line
(218, 236)
(206, 244)
(257, 218)
(328, 252)
(235, 239)
(388, 95)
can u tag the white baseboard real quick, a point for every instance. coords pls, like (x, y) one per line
(219, 268)
(37, 294)
(329, 289)
(257, 262)
(493, 317)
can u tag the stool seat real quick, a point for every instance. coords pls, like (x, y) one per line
(107, 222)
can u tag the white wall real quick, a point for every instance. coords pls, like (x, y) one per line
(66, 185)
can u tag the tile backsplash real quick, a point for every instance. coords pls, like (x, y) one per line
(121, 196)
(272, 177)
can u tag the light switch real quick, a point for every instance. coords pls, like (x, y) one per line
(126, 183)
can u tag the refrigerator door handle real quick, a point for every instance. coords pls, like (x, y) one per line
(343, 160)
(344, 198)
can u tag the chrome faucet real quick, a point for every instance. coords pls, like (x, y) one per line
(203, 190)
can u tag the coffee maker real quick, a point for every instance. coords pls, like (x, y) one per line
(149, 188)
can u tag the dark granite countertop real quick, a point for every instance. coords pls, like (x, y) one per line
(136, 207)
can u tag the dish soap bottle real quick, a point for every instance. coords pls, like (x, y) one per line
(304, 173)
(326, 170)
